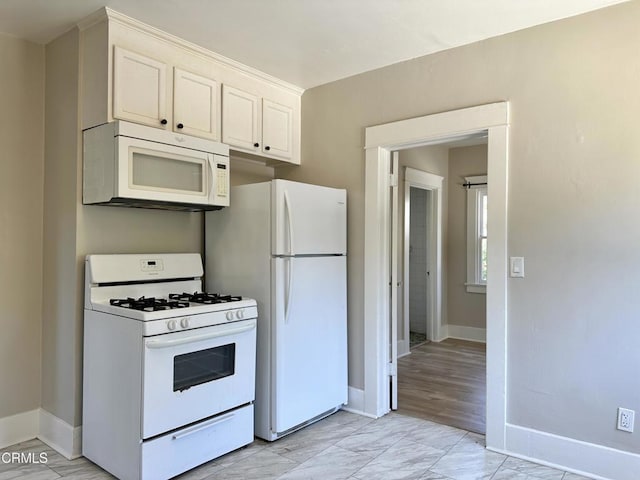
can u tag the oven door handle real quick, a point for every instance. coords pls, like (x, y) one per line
(199, 428)
(199, 338)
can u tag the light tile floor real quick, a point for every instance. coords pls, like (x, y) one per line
(343, 446)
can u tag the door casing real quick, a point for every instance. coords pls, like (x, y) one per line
(438, 128)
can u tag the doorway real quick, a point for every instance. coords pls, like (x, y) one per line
(443, 381)
(420, 252)
(431, 129)
(418, 269)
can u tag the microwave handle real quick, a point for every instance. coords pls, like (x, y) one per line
(199, 338)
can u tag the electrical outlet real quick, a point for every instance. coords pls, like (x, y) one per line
(625, 419)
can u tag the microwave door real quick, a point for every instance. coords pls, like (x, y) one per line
(172, 174)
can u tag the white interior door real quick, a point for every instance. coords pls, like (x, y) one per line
(309, 339)
(308, 219)
(393, 324)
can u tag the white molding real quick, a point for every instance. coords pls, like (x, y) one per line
(356, 403)
(472, 334)
(433, 183)
(404, 348)
(379, 141)
(432, 129)
(18, 428)
(376, 278)
(112, 15)
(59, 435)
(576, 456)
(476, 287)
(476, 179)
(497, 325)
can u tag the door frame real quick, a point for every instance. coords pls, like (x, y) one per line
(433, 184)
(380, 140)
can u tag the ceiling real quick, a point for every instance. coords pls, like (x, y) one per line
(306, 42)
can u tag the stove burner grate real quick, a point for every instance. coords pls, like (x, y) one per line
(204, 298)
(150, 304)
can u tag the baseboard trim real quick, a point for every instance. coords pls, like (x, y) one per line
(583, 458)
(403, 348)
(472, 334)
(59, 435)
(18, 428)
(356, 403)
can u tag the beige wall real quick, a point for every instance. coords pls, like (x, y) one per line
(59, 311)
(21, 176)
(464, 308)
(573, 200)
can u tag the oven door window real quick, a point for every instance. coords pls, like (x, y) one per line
(203, 366)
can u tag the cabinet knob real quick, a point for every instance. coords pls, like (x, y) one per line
(256, 144)
(163, 121)
(180, 125)
(267, 148)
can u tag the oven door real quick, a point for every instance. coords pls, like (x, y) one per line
(194, 374)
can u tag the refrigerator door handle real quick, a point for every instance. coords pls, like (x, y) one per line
(287, 207)
(288, 292)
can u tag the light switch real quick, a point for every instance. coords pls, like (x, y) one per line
(516, 267)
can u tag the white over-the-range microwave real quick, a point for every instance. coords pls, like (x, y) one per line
(138, 166)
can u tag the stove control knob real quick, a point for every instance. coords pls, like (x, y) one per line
(240, 314)
(229, 316)
(171, 324)
(184, 322)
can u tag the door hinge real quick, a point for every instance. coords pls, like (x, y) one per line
(393, 369)
(393, 180)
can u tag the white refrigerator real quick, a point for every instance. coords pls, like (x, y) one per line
(284, 244)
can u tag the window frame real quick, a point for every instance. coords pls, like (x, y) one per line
(475, 218)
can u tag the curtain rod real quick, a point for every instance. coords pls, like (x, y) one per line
(468, 185)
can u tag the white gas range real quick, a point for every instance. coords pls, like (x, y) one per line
(169, 376)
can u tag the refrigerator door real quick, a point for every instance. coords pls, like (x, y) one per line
(308, 219)
(309, 339)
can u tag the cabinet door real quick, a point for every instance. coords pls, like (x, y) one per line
(240, 119)
(277, 129)
(195, 105)
(139, 88)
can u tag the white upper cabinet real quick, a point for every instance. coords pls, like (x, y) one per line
(135, 72)
(240, 119)
(139, 88)
(141, 94)
(195, 105)
(257, 125)
(277, 129)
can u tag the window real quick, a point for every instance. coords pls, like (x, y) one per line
(476, 234)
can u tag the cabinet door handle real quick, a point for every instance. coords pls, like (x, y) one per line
(180, 125)
(256, 144)
(267, 148)
(163, 121)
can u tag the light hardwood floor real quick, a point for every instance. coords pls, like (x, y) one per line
(445, 382)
